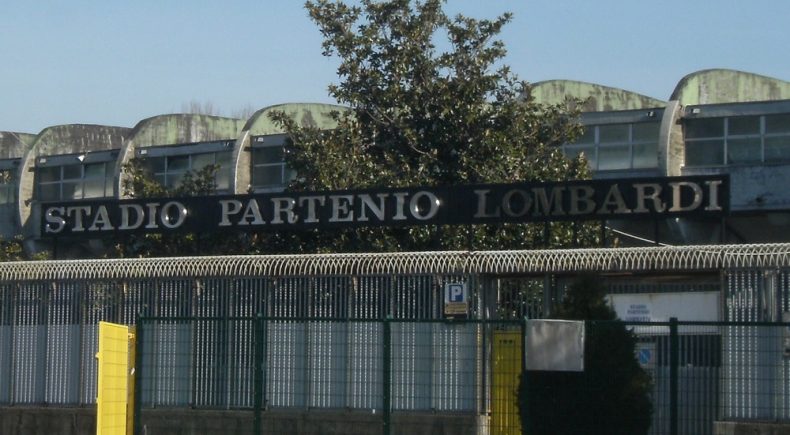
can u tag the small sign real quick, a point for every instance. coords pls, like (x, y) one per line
(456, 299)
(646, 355)
(554, 345)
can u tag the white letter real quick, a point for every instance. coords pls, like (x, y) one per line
(54, 219)
(252, 211)
(641, 197)
(125, 216)
(341, 204)
(377, 209)
(713, 195)
(580, 195)
(311, 205)
(482, 199)
(676, 206)
(283, 205)
(229, 207)
(101, 219)
(433, 203)
(181, 214)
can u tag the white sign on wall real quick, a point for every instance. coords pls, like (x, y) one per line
(659, 307)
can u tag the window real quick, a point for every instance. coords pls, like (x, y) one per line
(169, 163)
(75, 177)
(269, 171)
(618, 146)
(737, 140)
(8, 171)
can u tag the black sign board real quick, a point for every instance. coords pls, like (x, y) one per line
(644, 198)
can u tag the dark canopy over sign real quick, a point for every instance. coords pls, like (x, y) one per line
(650, 198)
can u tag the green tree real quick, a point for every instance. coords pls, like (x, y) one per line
(428, 104)
(611, 396)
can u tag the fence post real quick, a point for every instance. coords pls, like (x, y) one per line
(387, 369)
(138, 376)
(673, 375)
(258, 375)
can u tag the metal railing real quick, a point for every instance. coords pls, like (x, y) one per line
(381, 376)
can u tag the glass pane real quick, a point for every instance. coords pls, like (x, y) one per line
(200, 161)
(49, 192)
(7, 176)
(173, 180)
(290, 175)
(223, 158)
(588, 137)
(707, 127)
(704, 152)
(614, 157)
(743, 125)
(645, 155)
(223, 179)
(109, 186)
(777, 123)
(5, 197)
(645, 131)
(48, 174)
(744, 150)
(262, 156)
(94, 188)
(177, 163)
(588, 150)
(613, 133)
(72, 190)
(154, 165)
(72, 172)
(777, 148)
(267, 176)
(94, 170)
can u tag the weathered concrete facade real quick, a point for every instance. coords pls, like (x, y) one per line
(661, 126)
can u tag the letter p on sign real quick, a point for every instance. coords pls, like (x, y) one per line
(455, 292)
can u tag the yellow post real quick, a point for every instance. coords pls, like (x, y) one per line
(115, 389)
(505, 419)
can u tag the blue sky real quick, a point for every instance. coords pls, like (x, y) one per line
(117, 62)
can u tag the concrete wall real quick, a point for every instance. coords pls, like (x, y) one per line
(14, 145)
(82, 421)
(714, 86)
(598, 98)
(749, 428)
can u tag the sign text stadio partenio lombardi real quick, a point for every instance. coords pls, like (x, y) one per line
(645, 198)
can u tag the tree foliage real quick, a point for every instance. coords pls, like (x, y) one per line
(429, 104)
(611, 396)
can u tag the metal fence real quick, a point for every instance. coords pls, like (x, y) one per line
(377, 376)
(381, 376)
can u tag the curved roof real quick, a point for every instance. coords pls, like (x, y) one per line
(76, 138)
(713, 86)
(598, 98)
(13, 145)
(184, 128)
(312, 114)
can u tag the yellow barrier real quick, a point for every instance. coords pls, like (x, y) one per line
(505, 418)
(115, 394)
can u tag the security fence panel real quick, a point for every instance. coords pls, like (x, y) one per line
(413, 365)
(455, 359)
(365, 356)
(286, 363)
(64, 343)
(7, 291)
(29, 339)
(783, 381)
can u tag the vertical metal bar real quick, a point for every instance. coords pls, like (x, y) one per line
(138, 377)
(673, 375)
(387, 369)
(258, 376)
